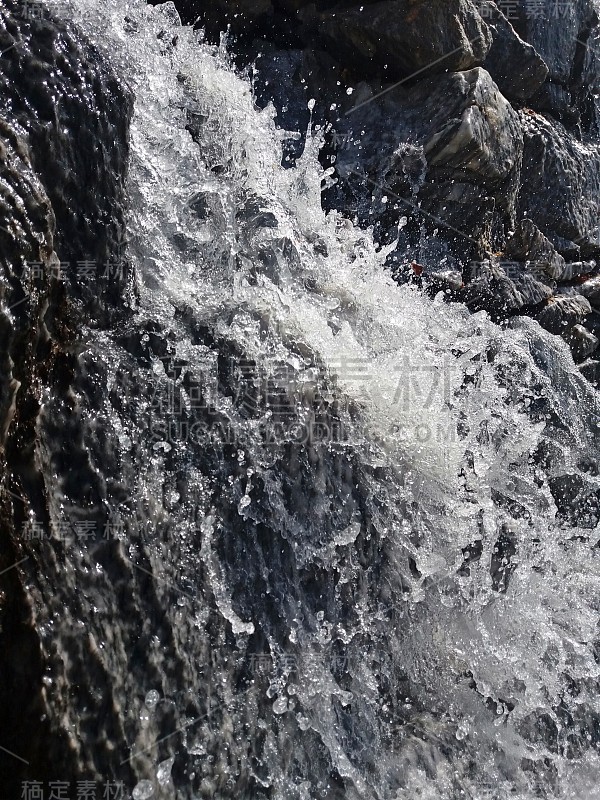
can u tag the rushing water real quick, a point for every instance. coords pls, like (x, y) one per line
(405, 454)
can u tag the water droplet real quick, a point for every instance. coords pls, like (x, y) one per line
(462, 731)
(151, 699)
(143, 790)
(303, 722)
(164, 446)
(163, 773)
(280, 705)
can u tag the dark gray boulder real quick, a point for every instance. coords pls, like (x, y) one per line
(407, 36)
(28, 260)
(562, 313)
(557, 100)
(563, 34)
(31, 328)
(516, 66)
(481, 136)
(451, 144)
(577, 270)
(560, 182)
(558, 31)
(581, 342)
(566, 248)
(590, 289)
(489, 288)
(528, 243)
(532, 290)
(590, 369)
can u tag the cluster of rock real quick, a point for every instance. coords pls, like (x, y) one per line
(473, 120)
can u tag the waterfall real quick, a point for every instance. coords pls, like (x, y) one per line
(345, 500)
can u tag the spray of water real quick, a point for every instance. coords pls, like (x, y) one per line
(488, 605)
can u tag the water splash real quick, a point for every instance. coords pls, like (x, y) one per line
(486, 607)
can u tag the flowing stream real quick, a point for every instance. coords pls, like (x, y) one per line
(405, 454)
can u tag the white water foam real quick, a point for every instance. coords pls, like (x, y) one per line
(444, 401)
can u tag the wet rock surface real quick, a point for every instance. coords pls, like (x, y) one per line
(459, 170)
(581, 341)
(561, 181)
(515, 65)
(63, 153)
(555, 35)
(72, 115)
(406, 37)
(560, 313)
(528, 244)
(26, 232)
